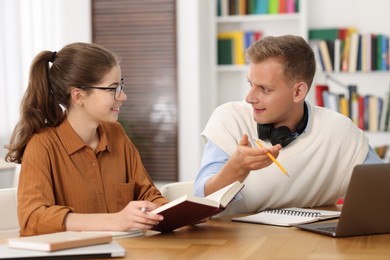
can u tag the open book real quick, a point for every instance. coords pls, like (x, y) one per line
(189, 209)
(289, 216)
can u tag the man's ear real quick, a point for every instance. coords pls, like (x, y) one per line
(77, 96)
(300, 91)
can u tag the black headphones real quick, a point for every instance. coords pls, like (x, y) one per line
(282, 135)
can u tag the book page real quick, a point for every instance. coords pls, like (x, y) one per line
(186, 198)
(226, 194)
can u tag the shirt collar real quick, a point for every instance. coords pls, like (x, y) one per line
(72, 141)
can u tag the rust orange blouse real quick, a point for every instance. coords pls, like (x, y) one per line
(61, 174)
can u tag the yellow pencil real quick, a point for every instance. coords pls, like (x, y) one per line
(272, 158)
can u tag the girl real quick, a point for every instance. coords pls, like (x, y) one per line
(80, 171)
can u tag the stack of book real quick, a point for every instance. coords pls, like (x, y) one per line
(347, 50)
(368, 112)
(232, 45)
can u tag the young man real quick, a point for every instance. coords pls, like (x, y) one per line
(318, 147)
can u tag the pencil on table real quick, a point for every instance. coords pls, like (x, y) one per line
(272, 158)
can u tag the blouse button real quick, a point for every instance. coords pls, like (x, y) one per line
(93, 164)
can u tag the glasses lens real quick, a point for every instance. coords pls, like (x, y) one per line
(119, 89)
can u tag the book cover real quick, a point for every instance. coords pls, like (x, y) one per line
(273, 6)
(290, 6)
(343, 105)
(189, 209)
(225, 51)
(238, 45)
(319, 89)
(373, 112)
(288, 216)
(59, 241)
(361, 112)
(314, 44)
(261, 6)
(353, 103)
(324, 34)
(379, 43)
(353, 52)
(324, 51)
(337, 55)
(107, 250)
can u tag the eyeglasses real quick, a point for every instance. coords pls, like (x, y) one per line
(118, 89)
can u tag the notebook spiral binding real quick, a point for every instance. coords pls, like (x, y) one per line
(294, 212)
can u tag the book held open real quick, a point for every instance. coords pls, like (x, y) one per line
(190, 209)
(288, 216)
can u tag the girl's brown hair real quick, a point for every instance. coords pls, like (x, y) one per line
(49, 87)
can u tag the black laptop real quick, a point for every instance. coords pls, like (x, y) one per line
(366, 209)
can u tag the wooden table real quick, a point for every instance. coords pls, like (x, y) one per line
(220, 239)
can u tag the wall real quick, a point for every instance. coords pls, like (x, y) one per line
(28, 27)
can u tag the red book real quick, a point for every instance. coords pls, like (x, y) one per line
(318, 92)
(361, 112)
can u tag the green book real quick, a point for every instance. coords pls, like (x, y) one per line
(324, 34)
(225, 51)
(273, 6)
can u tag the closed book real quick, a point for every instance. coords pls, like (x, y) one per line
(324, 51)
(373, 112)
(361, 112)
(324, 34)
(386, 113)
(288, 216)
(251, 6)
(238, 45)
(225, 51)
(59, 241)
(107, 250)
(190, 209)
(353, 52)
(353, 103)
(319, 89)
(379, 43)
(330, 34)
(282, 6)
(344, 105)
(273, 6)
(261, 7)
(290, 6)
(317, 55)
(337, 55)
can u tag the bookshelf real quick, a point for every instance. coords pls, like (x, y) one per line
(230, 80)
(366, 17)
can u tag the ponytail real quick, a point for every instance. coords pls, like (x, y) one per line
(38, 109)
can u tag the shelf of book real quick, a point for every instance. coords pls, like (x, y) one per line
(259, 18)
(235, 31)
(229, 80)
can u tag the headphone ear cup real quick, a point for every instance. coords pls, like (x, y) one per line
(264, 131)
(281, 135)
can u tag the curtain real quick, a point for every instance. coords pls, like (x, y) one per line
(26, 28)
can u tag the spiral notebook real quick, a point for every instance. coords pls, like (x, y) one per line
(288, 216)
